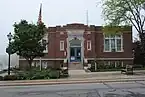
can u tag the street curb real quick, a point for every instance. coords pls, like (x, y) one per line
(67, 79)
(69, 82)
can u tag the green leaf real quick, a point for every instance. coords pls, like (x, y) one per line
(26, 40)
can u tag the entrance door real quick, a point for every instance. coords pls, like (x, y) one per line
(75, 54)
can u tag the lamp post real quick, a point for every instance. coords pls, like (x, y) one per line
(43, 43)
(9, 51)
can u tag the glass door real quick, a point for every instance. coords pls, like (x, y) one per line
(78, 54)
(75, 54)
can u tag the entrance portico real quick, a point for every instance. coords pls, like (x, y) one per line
(75, 47)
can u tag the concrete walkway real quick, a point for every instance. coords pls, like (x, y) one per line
(103, 77)
(77, 74)
(95, 77)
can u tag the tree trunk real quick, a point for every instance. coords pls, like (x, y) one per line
(30, 63)
(143, 47)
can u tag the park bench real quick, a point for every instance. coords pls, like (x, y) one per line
(127, 70)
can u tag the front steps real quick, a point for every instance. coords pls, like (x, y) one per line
(75, 66)
(76, 70)
(76, 73)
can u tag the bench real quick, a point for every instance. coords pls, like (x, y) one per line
(127, 70)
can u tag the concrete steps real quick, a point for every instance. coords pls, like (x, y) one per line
(77, 73)
(75, 66)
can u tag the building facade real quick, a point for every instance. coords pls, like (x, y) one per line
(77, 45)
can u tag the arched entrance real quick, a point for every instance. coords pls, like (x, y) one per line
(75, 50)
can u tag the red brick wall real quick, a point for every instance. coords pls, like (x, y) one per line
(54, 44)
(97, 41)
(127, 47)
(89, 53)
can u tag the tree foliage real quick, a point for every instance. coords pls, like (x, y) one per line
(126, 12)
(27, 40)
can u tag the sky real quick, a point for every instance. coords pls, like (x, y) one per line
(54, 12)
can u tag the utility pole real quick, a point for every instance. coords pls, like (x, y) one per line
(87, 18)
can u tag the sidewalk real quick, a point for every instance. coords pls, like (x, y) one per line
(98, 79)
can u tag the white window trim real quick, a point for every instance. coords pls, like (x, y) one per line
(89, 44)
(115, 44)
(115, 63)
(61, 46)
(46, 50)
(46, 38)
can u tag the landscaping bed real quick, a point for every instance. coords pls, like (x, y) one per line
(105, 68)
(35, 74)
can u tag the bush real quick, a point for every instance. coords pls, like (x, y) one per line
(54, 74)
(10, 77)
(21, 76)
(1, 78)
(33, 74)
(37, 74)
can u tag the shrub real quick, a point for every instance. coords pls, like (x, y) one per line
(10, 77)
(37, 76)
(54, 74)
(21, 76)
(33, 74)
(1, 78)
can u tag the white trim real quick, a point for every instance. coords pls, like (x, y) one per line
(85, 58)
(61, 45)
(90, 58)
(114, 58)
(79, 35)
(47, 59)
(115, 38)
(109, 58)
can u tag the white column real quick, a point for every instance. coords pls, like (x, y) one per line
(82, 49)
(68, 49)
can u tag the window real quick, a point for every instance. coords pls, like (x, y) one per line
(45, 40)
(61, 45)
(106, 62)
(61, 33)
(107, 45)
(113, 43)
(46, 48)
(118, 64)
(89, 45)
(113, 64)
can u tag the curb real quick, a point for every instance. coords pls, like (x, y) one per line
(69, 82)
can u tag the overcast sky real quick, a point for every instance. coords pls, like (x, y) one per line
(54, 12)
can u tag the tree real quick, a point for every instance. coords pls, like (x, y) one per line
(27, 40)
(126, 12)
(138, 56)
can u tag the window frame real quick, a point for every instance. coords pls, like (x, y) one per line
(61, 45)
(89, 45)
(115, 38)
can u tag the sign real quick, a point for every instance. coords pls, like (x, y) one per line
(76, 35)
(72, 58)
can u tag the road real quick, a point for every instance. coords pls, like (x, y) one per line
(115, 89)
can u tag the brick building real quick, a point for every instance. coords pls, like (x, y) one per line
(76, 45)
(79, 43)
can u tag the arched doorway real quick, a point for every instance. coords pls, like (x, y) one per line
(75, 50)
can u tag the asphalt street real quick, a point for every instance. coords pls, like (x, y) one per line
(115, 89)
